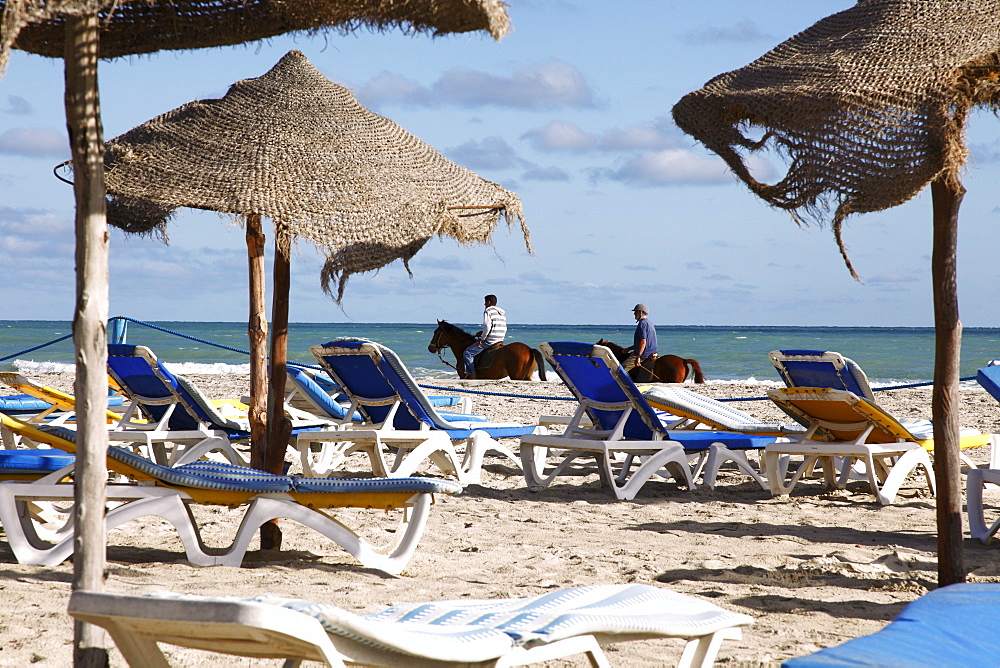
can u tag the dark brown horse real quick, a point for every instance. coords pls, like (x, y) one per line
(516, 360)
(666, 368)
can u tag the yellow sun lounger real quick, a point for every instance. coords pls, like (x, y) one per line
(842, 424)
(168, 492)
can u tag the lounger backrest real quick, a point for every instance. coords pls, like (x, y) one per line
(319, 400)
(594, 376)
(989, 378)
(382, 376)
(142, 375)
(818, 368)
(361, 368)
(839, 407)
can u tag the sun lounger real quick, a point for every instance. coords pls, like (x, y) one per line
(465, 632)
(623, 424)
(167, 493)
(312, 396)
(57, 407)
(842, 424)
(827, 369)
(164, 408)
(696, 411)
(819, 368)
(122, 429)
(951, 626)
(399, 421)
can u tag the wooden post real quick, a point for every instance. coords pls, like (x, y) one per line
(83, 122)
(279, 427)
(947, 196)
(257, 333)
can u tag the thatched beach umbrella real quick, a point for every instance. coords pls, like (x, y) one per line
(81, 31)
(869, 105)
(297, 148)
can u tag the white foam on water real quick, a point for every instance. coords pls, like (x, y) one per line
(28, 367)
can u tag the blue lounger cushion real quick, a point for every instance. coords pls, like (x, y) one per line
(34, 461)
(230, 477)
(951, 626)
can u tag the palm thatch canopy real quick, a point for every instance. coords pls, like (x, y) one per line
(868, 105)
(295, 147)
(143, 26)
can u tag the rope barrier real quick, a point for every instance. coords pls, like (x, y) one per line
(426, 387)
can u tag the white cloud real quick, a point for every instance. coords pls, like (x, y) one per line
(739, 33)
(17, 106)
(34, 143)
(670, 166)
(542, 86)
(545, 174)
(560, 136)
(644, 137)
(488, 153)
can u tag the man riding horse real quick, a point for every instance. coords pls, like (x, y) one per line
(494, 331)
(643, 349)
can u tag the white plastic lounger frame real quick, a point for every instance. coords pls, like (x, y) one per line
(402, 429)
(974, 484)
(844, 425)
(504, 632)
(167, 493)
(583, 438)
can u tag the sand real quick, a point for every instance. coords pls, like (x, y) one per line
(813, 570)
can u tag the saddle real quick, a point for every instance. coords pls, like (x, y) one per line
(484, 360)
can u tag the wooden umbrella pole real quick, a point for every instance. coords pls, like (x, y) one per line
(279, 427)
(257, 333)
(83, 122)
(947, 195)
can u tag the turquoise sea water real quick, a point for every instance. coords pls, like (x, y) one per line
(888, 355)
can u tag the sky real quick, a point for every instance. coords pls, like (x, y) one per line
(571, 111)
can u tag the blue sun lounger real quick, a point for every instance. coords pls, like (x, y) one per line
(952, 626)
(398, 416)
(318, 397)
(168, 493)
(621, 422)
(166, 408)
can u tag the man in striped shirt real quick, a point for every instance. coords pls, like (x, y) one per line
(494, 331)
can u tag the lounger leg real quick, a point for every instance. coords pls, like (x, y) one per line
(533, 465)
(671, 458)
(719, 454)
(140, 651)
(587, 645)
(907, 463)
(701, 652)
(392, 559)
(185, 455)
(777, 472)
(975, 483)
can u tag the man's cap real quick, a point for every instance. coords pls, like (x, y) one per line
(641, 307)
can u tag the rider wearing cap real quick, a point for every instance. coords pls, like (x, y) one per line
(643, 347)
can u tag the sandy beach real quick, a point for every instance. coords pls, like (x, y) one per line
(813, 570)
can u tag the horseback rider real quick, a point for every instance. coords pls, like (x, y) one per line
(494, 331)
(643, 349)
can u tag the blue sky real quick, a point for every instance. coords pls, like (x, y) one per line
(572, 112)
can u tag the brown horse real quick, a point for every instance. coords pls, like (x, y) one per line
(516, 360)
(666, 368)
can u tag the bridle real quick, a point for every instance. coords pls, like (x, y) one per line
(435, 344)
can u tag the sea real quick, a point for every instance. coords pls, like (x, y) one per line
(727, 354)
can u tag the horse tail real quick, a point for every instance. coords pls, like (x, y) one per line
(540, 361)
(699, 377)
